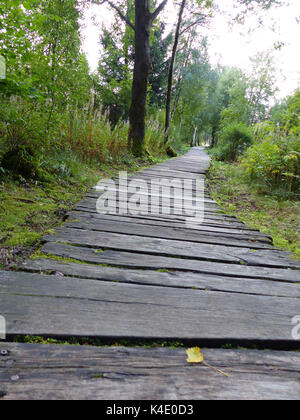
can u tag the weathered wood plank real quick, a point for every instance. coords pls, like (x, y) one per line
(219, 216)
(124, 225)
(190, 190)
(231, 224)
(144, 261)
(110, 373)
(51, 305)
(157, 209)
(144, 220)
(185, 280)
(173, 248)
(189, 200)
(182, 168)
(90, 206)
(172, 218)
(170, 173)
(157, 222)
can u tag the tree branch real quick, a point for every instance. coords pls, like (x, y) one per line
(196, 22)
(113, 6)
(158, 10)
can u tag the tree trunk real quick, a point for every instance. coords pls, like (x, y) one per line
(194, 137)
(171, 69)
(137, 113)
(179, 84)
(213, 137)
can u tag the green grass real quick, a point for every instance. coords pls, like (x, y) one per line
(271, 214)
(31, 209)
(40, 255)
(85, 341)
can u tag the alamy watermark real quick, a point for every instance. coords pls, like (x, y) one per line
(296, 329)
(2, 328)
(158, 196)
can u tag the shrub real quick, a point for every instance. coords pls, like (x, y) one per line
(233, 141)
(274, 163)
(20, 161)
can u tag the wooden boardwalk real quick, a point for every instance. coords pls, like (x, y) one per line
(153, 277)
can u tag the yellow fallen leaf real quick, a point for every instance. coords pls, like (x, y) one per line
(194, 355)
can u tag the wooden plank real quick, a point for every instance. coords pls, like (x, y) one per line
(177, 279)
(55, 306)
(178, 213)
(208, 206)
(156, 214)
(182, 166)
(231, 224)
(189, 200)
(210, 221)
(153, 220)
(113, 373)
(144, 261)
(179, 221)
(163, 232)
(172, 248)
(157, 181)
(174, 220)
(169, 173)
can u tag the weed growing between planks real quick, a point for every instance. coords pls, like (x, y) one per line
(150, 343)
(85, 341)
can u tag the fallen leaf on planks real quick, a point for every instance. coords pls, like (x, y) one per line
(195, 356)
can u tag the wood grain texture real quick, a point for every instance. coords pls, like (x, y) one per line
(112, 373)
(147, 261)
(173, 248)
(169, 229)
(219, 218)
(35, 304)
(177, 279)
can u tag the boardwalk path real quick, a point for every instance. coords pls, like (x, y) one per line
(153, 277)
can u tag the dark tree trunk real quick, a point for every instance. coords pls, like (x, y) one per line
(137, 113)
(213, 137)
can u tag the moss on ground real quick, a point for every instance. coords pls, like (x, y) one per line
(30, 209)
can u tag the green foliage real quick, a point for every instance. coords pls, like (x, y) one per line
(233, 91)
(20, 161)
(159, 66)
(291, 117)
(113, 79)
(275, 163)
(30, 149)
(261, 86)
(274, 160)
(273, 214)
(28, 209)
(234, 139)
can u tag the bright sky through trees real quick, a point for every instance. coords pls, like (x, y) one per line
(231, 46)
